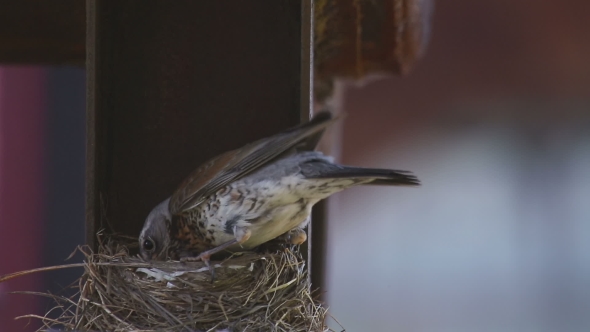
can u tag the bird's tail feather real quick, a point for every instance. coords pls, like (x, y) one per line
(387, 177)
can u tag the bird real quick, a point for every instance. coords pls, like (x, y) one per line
(254, 194)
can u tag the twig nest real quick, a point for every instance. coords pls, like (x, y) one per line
(251, 292)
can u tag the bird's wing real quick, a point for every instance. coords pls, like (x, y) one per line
(233, 165)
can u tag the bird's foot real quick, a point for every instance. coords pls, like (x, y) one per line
(297, 236)
(205, 256)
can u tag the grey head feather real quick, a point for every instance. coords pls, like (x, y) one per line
(155, 229)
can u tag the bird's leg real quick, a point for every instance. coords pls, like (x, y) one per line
(205, 256)
(242, 235)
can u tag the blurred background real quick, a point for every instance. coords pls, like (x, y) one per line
(495, 121)
(42, 167)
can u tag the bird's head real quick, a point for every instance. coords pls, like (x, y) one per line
(154, 238)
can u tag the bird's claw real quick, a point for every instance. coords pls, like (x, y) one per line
(192, 259)
(205, 258)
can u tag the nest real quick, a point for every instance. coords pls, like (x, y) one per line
(251, 292)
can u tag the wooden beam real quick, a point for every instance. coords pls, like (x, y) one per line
(171, 84)
(42, 32)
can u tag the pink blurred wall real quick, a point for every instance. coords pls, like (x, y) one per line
(22, 106)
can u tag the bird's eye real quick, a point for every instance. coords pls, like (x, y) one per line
(148, 245)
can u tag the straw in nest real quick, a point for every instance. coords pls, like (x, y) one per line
(251, 292)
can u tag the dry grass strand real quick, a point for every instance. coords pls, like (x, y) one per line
(253, 292)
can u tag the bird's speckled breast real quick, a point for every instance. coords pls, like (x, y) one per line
(267, 207)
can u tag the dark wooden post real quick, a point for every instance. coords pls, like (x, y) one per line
(173, 83)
